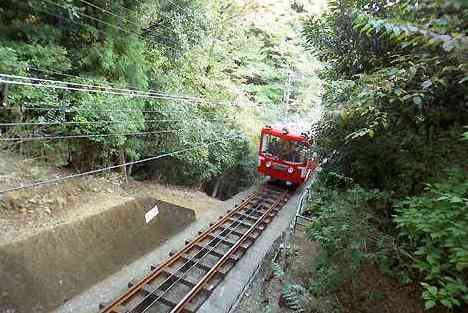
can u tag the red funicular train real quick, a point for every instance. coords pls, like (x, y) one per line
(282, 156)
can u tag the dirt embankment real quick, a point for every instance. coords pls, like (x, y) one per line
(46, 269)
(60, 239)
(30, 211)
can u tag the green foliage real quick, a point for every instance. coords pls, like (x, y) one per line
(395, 99)
(133, 44)
(436, 224)
(295, 296)
(278, 271)
(344, 230)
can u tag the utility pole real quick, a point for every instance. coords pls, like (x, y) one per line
(3, 94)
(287, 94)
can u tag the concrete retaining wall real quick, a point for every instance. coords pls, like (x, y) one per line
(45, 270)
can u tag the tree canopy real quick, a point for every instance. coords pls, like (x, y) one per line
(395, 79)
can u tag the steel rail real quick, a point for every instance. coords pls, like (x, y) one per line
(199, 258)
(229, 230)
(201, 251)
(195, 290)
(137, 287)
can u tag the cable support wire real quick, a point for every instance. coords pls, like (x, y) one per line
(105, 87)
(56, 84)
(131, 95)
(111, 85)
(40, 138)
(94, 122)
(120, 17)
(109, 12)
(63, 178)
(93, 26)
(110, 24)
(92, 18)
(70, 110)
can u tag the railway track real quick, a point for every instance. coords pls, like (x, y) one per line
(184, 281)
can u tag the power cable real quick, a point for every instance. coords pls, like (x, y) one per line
(120, 17)
(40, 138)
(70, 110)
(93, 26)
(55, 84)
(59, 179)
(94, 122)
(69, 19)
(134, 95)
(112, 85)
(108, 12)
(93, 18)
(116, 89)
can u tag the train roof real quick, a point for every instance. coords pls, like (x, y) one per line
(285, 134)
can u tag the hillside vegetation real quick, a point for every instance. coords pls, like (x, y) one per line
(393, 192)
(212, 50)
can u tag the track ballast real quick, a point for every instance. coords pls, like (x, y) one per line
(184, 281)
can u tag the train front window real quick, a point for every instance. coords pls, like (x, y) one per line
(291, 151)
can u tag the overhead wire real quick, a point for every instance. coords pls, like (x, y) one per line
(92, 18)
(105, 87)
(40, 138)
(99, 91)
(63, 178)
(93, 26)
(56, 84)
(112, 85)
(109, 12)
(67, 18)
(120, 17)
(70, 110)
(15, 124)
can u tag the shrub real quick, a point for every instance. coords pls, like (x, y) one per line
(345, 230)
(436, 224)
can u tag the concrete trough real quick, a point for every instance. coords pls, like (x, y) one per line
(42, 272)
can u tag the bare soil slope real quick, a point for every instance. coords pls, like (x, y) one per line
(27, 212)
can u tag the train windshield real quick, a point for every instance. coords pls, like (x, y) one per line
(291, 151)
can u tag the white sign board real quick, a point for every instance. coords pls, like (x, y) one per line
(151, 214)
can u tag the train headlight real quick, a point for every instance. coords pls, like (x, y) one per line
(268, 164)
(290, 170)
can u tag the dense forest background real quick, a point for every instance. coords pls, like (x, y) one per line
(392, 196)
(393, 193)
(223, 67)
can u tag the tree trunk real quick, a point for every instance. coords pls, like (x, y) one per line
(130, 168)
(216, 187)
(124, 168)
